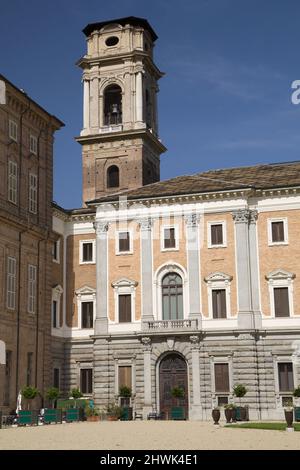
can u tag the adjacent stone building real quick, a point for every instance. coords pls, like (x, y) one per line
(191, 282)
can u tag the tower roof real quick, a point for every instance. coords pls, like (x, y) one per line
(132, 20)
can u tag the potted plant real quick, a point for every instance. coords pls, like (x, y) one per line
(52, 394)
(75, 412)
(177, 412)
(76, 393)
(296, 394)
(239, 390)
(125, 395)
(30, 393)
(288, 414)
(216, 415)
(92, 414)
(113, 412)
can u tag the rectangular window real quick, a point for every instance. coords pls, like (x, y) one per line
(33, 144)
(33, 193)
(54, 314)
(124, 308)
(277, 231)
(286, 377)
(216, 234)
(219, 303)
(87, 252)
(124, 379)
(56, 378)
(29, 369)
(222, 401)
(31, 288)
(87, 314)
(281, 302)
(124, 242)
(7, 385)
(12, 189)
(169, 238)
(11, 283)
(221, 377)
(86, 381)
(13, 130)
(55, 251)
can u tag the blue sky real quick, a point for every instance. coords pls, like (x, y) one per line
(226, 97)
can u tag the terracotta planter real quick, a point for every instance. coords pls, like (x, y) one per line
(93, 419)
(216, 416)
(228, 414)
(289, 418)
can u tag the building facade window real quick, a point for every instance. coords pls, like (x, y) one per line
(281, 289)
(112, 105)
(12, 190)
(219, 303)
(56, 378)
(169, 238)
(11, 283)
(87, 314)
(216, 234)
(124, 242)
(32, 276)
(56, 251)
(278, 231)
(86, 381)
(33, 193)
(13, 130)
(285, 377)
(125, 376)
(125, 308)
(29, 369)
(33, 144)
(172, 297)
(87, 252)
(113, 177)
(218, 289)
(56, 302)
(54, 314)
(8, 374)
(222, 378)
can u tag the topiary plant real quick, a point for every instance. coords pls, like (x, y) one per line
(125, 391)
(239, 390)
(76, 393)
(177, 392)
(52, 394)
(296, 392)
(29, 393)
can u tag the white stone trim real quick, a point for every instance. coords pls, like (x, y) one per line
(57, 259)
(124, 286)
(125, 362)
(158, 276)
(281, 278)
(224, 232)
(13, 130)
(277, 359)
(219, 359)
(162, 237)
(85, 294)
(81, 243)
(216, 281)
(285, 230)
(56, 296)
(130, 231)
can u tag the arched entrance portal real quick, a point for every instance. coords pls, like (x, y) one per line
(172, 373)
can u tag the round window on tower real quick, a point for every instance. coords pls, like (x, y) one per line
(112, 41)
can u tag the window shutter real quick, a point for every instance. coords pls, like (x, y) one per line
(87, 252)
(87, 314)
(286, 378)
(124, 308)
(217, 234)
(219, 303)
(277, 231)
(222, 377)
(125, 376)
(281, 302)
(169, 238)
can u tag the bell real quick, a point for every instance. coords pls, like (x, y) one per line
(114, 109)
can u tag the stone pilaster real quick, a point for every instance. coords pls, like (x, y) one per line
(253, 255)
(147, 281)
(139, 97)
(86, 105)
(196, 408)
(193, 266)
(101, 322)
(147, 407)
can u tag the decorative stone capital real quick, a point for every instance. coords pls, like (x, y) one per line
(101, 226)
(146, 341)
(192, 220)
(253, 216)
(241, 216)
(195, 340)
(145, 224)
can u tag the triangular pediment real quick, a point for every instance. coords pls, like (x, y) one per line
(280, 274)
(218, 276)
(124, 282)
(85, 290)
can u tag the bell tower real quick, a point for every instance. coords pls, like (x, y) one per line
(120, 145)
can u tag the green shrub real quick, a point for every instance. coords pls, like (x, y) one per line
(177, 392)
(76, 393)
(125, 392)
(30, 393)
(296, 392)
(239, 390)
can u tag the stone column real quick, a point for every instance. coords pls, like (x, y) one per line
(139, 97)
(253, 254)
(193, 266)
(147, 281)
(127, 105)
(86, 104)
(101, 322)
(195, 408)
(94, 105)
(147, 407)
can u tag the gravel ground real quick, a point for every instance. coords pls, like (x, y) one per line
(144, 435)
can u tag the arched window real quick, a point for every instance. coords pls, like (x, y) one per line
(112, 105)
(172, 297)
(113, 177)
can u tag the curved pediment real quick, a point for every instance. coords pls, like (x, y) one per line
(280, 274)
(218, 276)
(124, 282)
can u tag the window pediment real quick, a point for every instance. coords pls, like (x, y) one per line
(85, 290)
(124, 282)
(280, 274)
(218, 276)
(57, 289)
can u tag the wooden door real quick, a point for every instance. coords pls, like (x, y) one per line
(172, 373)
